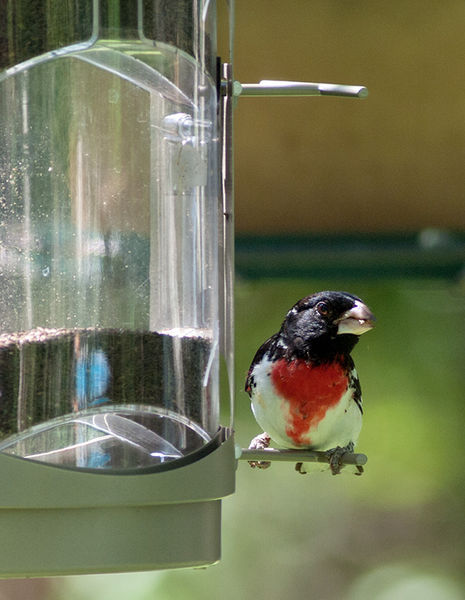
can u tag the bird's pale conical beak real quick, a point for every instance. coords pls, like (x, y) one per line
(356, 321)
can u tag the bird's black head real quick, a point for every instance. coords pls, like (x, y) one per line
(324, 325)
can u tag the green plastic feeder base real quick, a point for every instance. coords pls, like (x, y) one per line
(59, 522)
(105, 540)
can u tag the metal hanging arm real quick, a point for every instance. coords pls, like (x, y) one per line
(271, 87)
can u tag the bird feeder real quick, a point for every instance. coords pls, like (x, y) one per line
(116, 256)
(114, 294)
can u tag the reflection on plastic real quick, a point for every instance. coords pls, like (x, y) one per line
(92, 379)
(121, 438)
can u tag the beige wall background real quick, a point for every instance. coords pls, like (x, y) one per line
(392, 162)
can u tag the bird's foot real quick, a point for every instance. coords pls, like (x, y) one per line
(336, 455)
(299, 467)
(260, 442)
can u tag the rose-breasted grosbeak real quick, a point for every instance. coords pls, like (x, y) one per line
(302, 382)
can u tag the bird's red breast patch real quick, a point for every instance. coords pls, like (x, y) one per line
(309, 390)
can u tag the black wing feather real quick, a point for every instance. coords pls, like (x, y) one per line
(268, 347)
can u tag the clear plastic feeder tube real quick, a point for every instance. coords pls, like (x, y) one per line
(109, 234)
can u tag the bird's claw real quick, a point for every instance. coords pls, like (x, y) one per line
(335, 457)
(260, 442)
(299, 467)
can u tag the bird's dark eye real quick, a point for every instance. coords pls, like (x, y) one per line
(323, 308)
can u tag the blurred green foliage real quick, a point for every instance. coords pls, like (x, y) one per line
(397, 532)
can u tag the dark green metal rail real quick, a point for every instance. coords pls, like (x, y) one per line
(430, 253)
